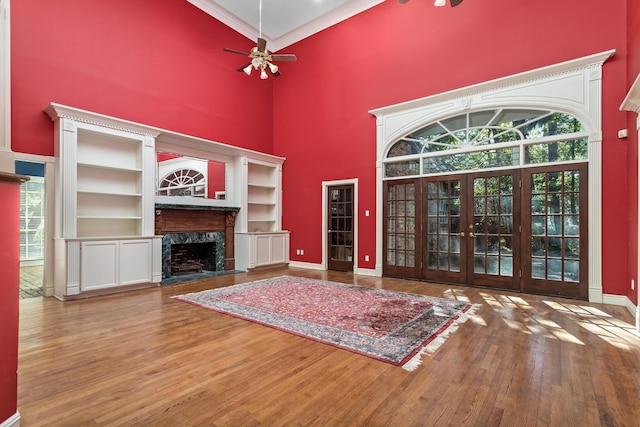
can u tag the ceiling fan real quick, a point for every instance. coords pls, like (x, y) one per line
(453, 3)
(261, 58)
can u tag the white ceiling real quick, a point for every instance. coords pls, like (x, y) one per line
(284, 22)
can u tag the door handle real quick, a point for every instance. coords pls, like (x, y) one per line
(471, 234)
(462, 234)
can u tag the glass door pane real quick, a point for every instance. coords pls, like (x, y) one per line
(556, 259)
(494, 230)
(402, 225)
(442, 232)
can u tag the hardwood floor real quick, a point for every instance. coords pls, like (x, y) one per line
(143, 359)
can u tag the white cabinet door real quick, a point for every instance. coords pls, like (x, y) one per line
(135, 261)
(262, 248)
(279, 248)
(98, 265)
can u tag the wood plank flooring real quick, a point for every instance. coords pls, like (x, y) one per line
(142, 359)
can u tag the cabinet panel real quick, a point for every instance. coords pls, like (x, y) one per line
(135, 261)
(279, 248)
(254, 250)
(98, 265)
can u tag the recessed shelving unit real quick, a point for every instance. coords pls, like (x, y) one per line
(261, 241)
(105, 223)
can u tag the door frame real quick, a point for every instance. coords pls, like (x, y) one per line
(325, 220)
(49, 219)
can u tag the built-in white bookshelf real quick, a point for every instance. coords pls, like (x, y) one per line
(104, 225)
(109, 179)
(262, 197)
(261, 241)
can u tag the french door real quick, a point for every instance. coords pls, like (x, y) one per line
(470, 229)
(514, 229)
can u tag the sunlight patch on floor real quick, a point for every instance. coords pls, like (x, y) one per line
(603, 325)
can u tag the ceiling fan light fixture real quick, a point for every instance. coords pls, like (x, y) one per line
(263, 74)
(440, 3)
(247, 69)
(273, 67)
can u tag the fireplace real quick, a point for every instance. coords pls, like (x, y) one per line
(189, 257)
(187, 253)
(195, 239)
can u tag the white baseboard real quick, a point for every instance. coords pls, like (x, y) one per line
(367, 272)
(621, 300)
(12, 421)
(307, 265)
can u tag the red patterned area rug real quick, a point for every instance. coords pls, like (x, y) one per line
(394, 327)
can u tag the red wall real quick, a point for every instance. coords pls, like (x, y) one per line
(10, 292)
(633, 70)
(394, 53)
(157, 62)
(160, 62)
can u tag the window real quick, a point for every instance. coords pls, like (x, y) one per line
(32, 219)
(184, 182)
(489, 139)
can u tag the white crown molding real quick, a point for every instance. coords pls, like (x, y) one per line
(632, 100)
(346, 11)
(595, 60)
(325, 21)
(57, 111)
(227, 18)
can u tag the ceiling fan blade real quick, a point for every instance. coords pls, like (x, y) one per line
(276, 74)
(454, 3)
(288, 57)
(243, 67)
(226, 49)
(402, 1)
(262, 44)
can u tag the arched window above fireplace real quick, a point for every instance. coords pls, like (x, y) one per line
(183, 182)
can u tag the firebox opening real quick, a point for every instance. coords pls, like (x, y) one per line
(188, 258)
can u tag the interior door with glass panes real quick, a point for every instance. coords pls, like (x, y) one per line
(340, 232)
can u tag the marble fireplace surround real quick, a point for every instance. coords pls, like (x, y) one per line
(180, 224)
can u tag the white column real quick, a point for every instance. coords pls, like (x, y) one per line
(7, 159)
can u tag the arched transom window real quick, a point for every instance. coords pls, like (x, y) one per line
(183, 182)
(489, 139)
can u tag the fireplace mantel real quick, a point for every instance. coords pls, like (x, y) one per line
(199, 219)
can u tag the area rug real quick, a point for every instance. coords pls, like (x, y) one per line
(394, 327)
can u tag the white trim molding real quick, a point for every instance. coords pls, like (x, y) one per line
(12, 421)
(632, 103)
(49, 214)
(306, 265)
(278, 35)
(7, 160)
(573, 87)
